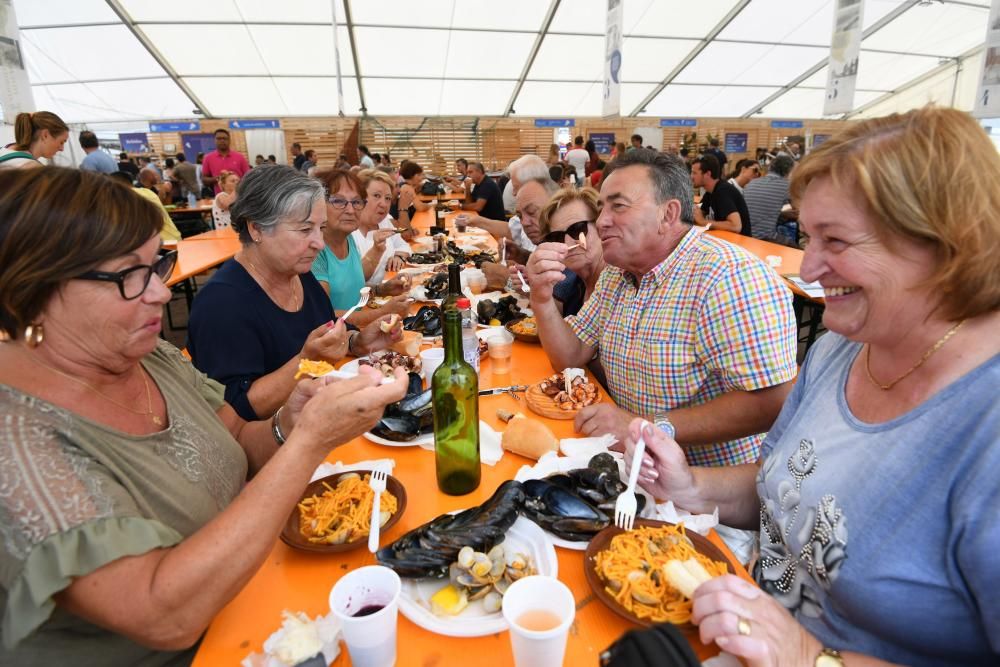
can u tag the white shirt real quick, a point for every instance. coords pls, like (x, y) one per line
(736, 185)
(520, 238)
(394, 244)
(509, 201)
(578, 158)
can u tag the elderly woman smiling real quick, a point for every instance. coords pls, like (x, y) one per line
(876, 492)
(263, 310)
(126, 514)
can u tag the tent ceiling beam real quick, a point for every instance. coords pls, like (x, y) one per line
(354, 55)
(872, 29)
(699, 47)
(116, 7)
(546, 22)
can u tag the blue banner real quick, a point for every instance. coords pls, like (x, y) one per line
(678, 122)
(787, 124)
(134, 142)
(268, 124)
(820, 139)
(604, 141)
(736, 142)
(188, 126)
(555, 122)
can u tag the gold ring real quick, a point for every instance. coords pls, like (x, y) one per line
(743, 627)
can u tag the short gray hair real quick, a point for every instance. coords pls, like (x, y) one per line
(271, 193)
(781, 165)
(528, 167)
(551, 187)
(668, 174)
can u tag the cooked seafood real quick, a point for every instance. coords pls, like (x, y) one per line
(427, 321)
(481, 576)
(408, 418)
(389, 361)
(436, 286)
(343, 513)
(496, 313)
(579, 394)
(525, 327)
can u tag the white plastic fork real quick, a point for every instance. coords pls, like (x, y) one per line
(362, 301)
(524, 283)
(377, 482)
(626, 504)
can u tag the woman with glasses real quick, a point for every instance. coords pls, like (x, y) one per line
(377, 228)
(263, 310)
(570, 254)
(134, 501)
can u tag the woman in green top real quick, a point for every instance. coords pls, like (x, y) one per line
(134, 502)
(41, 134)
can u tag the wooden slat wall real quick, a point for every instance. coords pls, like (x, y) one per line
(437, 142)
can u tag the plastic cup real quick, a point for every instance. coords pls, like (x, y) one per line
(461, 222)
(372, 591)
(501, 349)
(546, 606)
(774, 261)
(430, 359)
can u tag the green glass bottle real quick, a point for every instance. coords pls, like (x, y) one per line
(455, 395)
(454, 289)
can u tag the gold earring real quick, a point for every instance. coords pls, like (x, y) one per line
(34, 334)
(4, 336)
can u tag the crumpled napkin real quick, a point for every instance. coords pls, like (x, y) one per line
(699, 523)
(490, 450)
(298, 635)
(587, 447)
(327, 469)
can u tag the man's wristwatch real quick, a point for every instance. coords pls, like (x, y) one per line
(828, 658)
(662, 422)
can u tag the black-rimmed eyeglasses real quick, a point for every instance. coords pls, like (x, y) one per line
(133, 281)
(341, 203)
(573, 232)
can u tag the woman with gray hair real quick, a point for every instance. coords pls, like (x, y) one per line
(263, 310)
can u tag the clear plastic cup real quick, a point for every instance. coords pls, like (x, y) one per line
(366, 602)
(461, 222)
(501, 348)
(430, 359)
(539, 611)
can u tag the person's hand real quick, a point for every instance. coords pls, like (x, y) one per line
(395, 263)
(400, 305)
(341, 410)
(372, 338)
(514, 272)
(327, 342)
(406, 197)
(601, 418)
(664, 471)
(496, 276)
(379, 238)
(394, 287)
(724, 604)
(515, 254)
(545, 270)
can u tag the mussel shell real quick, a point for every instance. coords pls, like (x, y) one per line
(398, 428)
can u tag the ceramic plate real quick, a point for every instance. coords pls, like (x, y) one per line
(414, 601)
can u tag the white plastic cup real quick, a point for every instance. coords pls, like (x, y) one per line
(370, 639)
(538, 648)
(774, 261)
(430, 359)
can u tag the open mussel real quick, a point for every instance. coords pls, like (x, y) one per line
(561, 511)
(427, 321)
(409, 418)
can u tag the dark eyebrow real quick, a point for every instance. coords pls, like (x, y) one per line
(614, 196)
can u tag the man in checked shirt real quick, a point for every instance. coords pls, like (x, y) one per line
(695, 334)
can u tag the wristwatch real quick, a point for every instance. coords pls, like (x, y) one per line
(828, 658)
(662, 422)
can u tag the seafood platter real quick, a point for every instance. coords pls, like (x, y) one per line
(407, 422)
(427, 320)
(452, 254)
(648, 575)
(562, 395)
(334, 513)
(500, 312)
(387, 362)
(456, 567)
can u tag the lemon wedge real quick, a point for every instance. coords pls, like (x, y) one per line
(449, 601)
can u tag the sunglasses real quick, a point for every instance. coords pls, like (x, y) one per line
(573, 232)
(133, 281)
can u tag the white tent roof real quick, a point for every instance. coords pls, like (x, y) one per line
(117, 60)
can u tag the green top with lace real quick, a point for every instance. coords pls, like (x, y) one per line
(76, 495)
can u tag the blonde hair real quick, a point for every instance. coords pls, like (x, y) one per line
(565, 196)
(224, 174)
(930, 175)
(27, 127)
(369, 175)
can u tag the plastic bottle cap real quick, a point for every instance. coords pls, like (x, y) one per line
(463, 303)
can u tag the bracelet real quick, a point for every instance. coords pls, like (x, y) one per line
(350, 342)
(279, 435)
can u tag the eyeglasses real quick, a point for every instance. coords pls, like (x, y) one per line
(133, 281)
(341, 203)
(573, 232)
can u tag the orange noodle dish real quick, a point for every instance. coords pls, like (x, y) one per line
(653, 572)
(343, 513)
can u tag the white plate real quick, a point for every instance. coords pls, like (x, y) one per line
(415, 600)
(426, 439)
(350, 369)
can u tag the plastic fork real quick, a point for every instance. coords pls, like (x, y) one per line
(377, 482)
(626, 504)
(524, 283)
(362, 301)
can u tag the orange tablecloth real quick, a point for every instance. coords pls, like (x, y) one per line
(302, 581)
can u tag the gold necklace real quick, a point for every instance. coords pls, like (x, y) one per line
(148, 412)
(927, 355)
(295, 292)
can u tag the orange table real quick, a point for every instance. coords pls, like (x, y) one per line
(225, 233)
(302, 581)
(195, 257)
(203, 206)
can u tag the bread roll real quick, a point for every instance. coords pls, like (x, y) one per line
(387, 325)
(528, 437)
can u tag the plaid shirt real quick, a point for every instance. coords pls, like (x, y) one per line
(709, 319)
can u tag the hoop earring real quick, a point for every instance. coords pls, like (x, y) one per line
(34, 335)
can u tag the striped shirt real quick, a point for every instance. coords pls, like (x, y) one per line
(707, 320)
(764, 197)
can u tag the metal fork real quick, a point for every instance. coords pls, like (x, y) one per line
(524, 283)
(626, 504)
(377, 482)
(362, 302)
